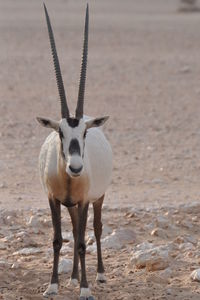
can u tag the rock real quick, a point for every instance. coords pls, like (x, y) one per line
(157, 181)
(92, 248)
(157, 279)
(155, 258)
(15, 265)
(162, 222)
(119, 238)
(185, 69)
(35, 224)
(186, 246)
(33, 221)
(195, 275)
(90, 241)
(4, 264)
(106, 230)
(159, 232)
(27, 251)
(144, 246)
(3, 185)
(65, 249)
(67, 237)
(156, 264)
(2, 246)
(65, 266)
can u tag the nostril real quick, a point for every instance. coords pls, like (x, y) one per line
(76, 171)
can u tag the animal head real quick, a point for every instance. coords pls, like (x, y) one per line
(72, 130)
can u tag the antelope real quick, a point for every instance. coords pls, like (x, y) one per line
(75, 165)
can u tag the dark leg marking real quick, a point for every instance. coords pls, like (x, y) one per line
(73, 211)
(82, 217)
(57, 238)
(98, 232)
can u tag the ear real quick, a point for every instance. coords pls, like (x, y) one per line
(48, 123)
(96, 122)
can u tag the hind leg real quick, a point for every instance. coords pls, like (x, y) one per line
(97, 206)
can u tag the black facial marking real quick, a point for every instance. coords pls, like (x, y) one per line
(73, 122)
(61, 137)
(74, 147)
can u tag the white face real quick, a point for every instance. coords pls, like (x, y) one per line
(72, 134)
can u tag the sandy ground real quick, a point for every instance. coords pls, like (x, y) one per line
(144, 71)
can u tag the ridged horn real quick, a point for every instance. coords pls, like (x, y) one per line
(61, 89)
(80, 102)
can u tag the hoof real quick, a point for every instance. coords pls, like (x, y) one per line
(73, 282)
(52, 290)
(86, 294)
(101, 278)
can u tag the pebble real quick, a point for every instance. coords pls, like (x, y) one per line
(2, 246)
(15, 265)
(92, 248)
(159, 232)
(67, 237)
(65, 266)
(65, 249)
(162, 222)
(4, 264)
(119, 238)
(155, 258)
(27, 251)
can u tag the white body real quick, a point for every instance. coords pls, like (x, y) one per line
(97, 168)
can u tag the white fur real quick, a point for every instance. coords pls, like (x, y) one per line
(97, 159)
(51, 290)
(85, 292)
(100, 277)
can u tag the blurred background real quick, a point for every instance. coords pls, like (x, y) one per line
(143, 71)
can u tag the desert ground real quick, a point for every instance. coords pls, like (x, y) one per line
(144, 72)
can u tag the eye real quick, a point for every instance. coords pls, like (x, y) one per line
(61, 134)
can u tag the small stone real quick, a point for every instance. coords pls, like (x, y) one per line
(27, 251)
(3, 185)
(4, 264)
(67, 237)
(157, 279)
(90, 241)
(92, 248)
(119, 238)
(15, 265)
(186, 246)
(65, 266)
(2, 246)
(195, 275)
(155, 258)
(185, 69)
(157, 264)
(66, 249)
(162, 222)
(159, 232)
(34, 224)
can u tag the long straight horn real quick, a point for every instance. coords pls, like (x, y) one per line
(80, 102)
(61, 90)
